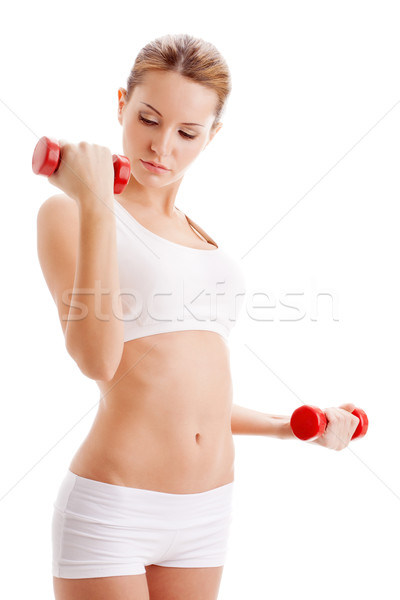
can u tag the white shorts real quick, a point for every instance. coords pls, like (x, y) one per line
(101, 530)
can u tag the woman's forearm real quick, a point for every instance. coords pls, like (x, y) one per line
(246, 421)
(94, 333)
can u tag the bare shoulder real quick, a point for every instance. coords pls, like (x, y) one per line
(57, 220)
(57, 205)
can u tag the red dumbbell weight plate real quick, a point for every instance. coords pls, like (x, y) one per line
(308, 422)
(122, 172)
(363, 424)
(46, 156)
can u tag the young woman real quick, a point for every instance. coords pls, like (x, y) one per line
(146, 301)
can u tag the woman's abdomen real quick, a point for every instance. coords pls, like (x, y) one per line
(165, 425)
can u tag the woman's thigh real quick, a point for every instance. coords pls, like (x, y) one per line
(102, 588)
(176, 583)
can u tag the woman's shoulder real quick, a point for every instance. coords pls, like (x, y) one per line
(57, 223)
(56, 205)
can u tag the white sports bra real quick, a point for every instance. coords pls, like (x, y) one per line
(166, 286)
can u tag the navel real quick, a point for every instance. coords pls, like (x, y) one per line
(197, 438)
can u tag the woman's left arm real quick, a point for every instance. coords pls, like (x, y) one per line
(246, 421)
(340, 428)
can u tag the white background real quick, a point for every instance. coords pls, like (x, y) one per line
(301, 185)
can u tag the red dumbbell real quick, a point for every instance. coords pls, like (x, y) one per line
(309, 423)
(47, 157)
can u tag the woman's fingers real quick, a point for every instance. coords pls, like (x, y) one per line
(348, 406)
(340, 427)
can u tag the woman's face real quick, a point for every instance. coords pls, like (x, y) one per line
(161, 134)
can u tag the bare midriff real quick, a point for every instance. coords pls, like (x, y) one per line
(164, 420)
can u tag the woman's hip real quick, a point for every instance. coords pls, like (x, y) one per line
(124, 506)
(102, 529)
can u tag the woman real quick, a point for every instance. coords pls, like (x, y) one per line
(146, 301)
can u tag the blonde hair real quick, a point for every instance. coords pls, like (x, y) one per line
(189, 56)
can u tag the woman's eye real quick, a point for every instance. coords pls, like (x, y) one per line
(186, 135)
(147, 122)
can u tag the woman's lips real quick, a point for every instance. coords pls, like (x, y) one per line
(152, 168)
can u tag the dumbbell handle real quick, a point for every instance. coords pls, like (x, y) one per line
(309, 423)
(46, 159)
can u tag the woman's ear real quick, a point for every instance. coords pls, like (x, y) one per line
(121, 103)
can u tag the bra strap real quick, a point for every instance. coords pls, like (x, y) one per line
(199, 229)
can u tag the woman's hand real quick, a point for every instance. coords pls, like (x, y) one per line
(340, 427)
(85, 174)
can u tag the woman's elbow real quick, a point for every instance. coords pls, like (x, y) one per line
(95, 367)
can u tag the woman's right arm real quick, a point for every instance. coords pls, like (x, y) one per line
(77, 250)
(77, 254)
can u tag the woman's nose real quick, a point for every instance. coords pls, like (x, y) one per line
(162, 143)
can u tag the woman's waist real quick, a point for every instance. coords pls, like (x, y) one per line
(168, 403)
(178, 461)
(171, 430)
